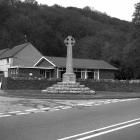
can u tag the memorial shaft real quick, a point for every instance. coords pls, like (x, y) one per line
(69, 61)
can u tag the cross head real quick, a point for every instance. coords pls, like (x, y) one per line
(69, 41)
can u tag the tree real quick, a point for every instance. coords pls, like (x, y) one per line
(9, 2)
(136, 21)
(136, 15)
(88, 47)
(31, 1)
(87, 8)
(132, 57)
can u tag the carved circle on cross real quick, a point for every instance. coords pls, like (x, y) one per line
(69, 41)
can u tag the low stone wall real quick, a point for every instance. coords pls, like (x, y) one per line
(116, 86)
(103, 85)
(113, 85)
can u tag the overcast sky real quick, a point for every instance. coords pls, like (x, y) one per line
(122, 9)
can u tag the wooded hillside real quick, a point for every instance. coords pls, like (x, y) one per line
(97, 35)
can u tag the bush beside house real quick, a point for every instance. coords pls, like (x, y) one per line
(26, 84)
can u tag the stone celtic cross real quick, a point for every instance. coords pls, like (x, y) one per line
(69, 76)
(69, 41)
(69, 84)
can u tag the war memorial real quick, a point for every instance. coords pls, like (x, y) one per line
(69, 84)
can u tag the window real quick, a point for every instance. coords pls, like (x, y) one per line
(78, 75)
(90, 75)
(13, 71)
(42, 72)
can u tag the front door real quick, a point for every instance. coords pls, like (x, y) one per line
(48, 74)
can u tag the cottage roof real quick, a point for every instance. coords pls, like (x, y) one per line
(81, 63)
(3, 51)
(11, 52)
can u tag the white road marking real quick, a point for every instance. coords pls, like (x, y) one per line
(22, 113)
(55, 109)
(61, 106)
(97, 104)
(81, 104)
(30, 110)
(88, 105)
(115, 100)
(135, 99)
(12, 112)
(132, 99)
(108, 131)
(124, 100)
(103, 128)
(107, 102)
(1, 116)
(2, 113)
(38, 111)
(45, 108)
(34, 110)
(102, 102)
(66, 107)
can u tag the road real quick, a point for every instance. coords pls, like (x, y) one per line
(111, 121)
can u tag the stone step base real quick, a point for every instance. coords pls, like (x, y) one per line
(68, 86)
(66, 83)
(62, 87)
(67, 92)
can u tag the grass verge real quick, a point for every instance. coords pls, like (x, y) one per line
(37, 94)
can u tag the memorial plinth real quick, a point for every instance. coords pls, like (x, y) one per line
(69, 84)
(69, 78)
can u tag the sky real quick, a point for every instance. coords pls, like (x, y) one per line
(122, 9)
